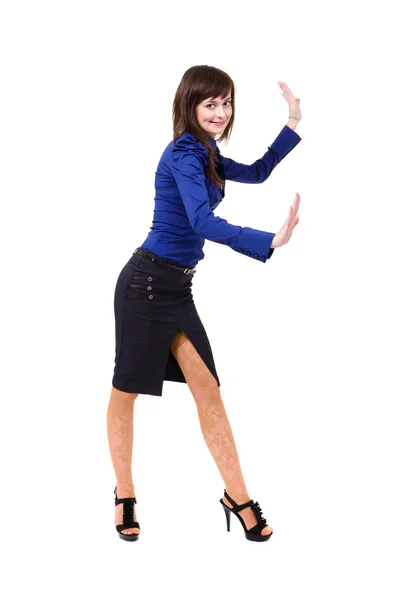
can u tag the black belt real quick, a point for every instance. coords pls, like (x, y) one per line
(157, 259)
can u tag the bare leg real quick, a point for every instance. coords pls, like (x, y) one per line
(214, 424)
(120, 440)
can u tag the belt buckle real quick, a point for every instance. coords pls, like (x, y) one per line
(189, 271)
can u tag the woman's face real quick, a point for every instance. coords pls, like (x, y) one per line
(213, 114)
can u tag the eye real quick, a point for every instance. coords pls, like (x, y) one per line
(212, 104)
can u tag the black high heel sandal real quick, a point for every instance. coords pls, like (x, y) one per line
(127, 519)
(253, 534)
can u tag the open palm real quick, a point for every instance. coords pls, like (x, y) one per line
(285, 232)
(293, 103)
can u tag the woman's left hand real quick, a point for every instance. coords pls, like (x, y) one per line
(294, 103)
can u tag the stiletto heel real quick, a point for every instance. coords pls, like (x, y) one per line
(127, 519)
(253, 534)
(228, 516)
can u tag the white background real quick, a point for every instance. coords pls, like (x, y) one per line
(306, 345)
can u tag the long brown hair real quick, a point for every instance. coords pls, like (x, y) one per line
(197, 84)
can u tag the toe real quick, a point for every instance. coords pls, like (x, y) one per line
(130, 531)
(267, 530)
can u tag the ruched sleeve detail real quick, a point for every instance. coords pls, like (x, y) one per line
(189, 157)
(188, 145)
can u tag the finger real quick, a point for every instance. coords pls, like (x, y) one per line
(286, 89)
(293, 225)
(294, 220)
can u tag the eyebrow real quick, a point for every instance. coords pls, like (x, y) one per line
(227, 98)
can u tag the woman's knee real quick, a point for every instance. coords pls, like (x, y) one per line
(128, 396)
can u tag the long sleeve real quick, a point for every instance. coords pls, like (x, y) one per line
(262, 168)
(189, 157)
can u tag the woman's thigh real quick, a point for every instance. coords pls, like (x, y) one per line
(198, 376)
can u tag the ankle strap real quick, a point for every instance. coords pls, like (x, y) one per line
(237, 507)
(125, 501)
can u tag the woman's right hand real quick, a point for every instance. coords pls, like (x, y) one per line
(285, 233)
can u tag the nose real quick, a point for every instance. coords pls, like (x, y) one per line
(220, 113)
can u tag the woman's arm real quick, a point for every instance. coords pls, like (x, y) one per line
(292, 123)
(262, 168)
(188, 171)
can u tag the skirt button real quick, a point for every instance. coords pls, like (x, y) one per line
(149, 287)
(149, 279)
(151, 297)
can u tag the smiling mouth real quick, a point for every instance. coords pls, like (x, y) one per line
(217, 122)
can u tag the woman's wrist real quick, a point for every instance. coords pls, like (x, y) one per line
(292, 123)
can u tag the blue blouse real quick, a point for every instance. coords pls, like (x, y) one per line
(185, 199)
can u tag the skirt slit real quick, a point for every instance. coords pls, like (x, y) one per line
(148, 315)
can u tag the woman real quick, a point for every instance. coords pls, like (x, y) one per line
(159, 334)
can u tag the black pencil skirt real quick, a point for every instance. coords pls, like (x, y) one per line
(152, 302)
